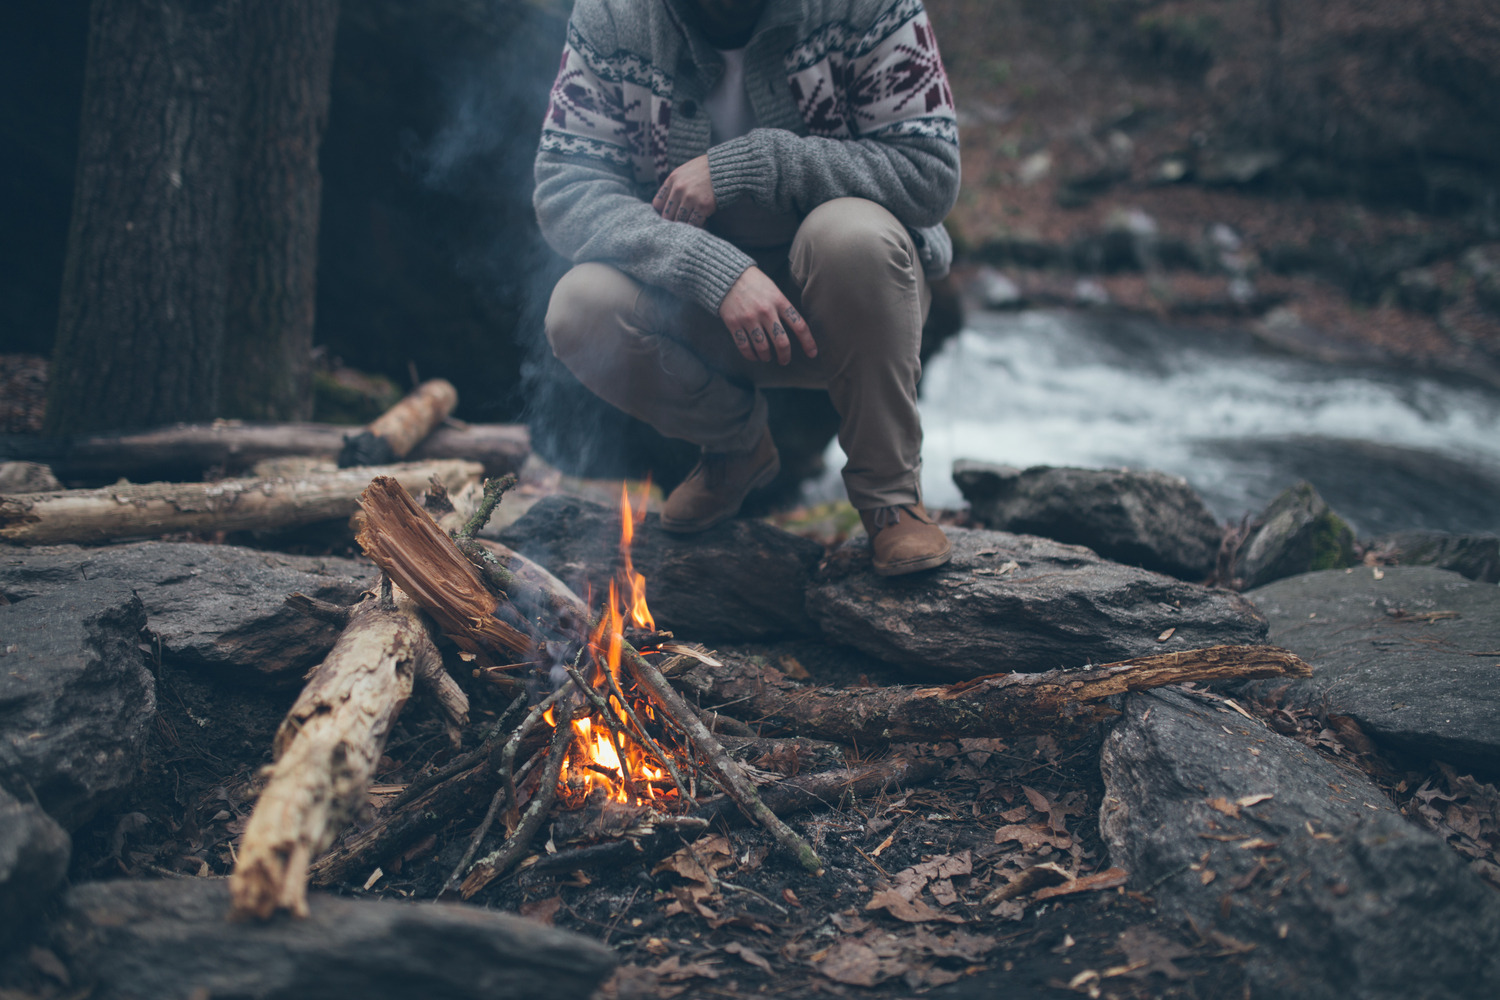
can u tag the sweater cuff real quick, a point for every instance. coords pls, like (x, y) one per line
(711, 270)
(738, 169)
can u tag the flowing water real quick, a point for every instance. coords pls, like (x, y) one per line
(1388, 449)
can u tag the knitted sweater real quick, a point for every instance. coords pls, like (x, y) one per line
(851, 98)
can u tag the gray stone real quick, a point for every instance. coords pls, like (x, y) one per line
(1338, 894)
(1144, 518)
(33, 859)
(1397, 655)
(171, 941)
(742, 580)
(215, 608)
(1017, 602)
(1474, 556)
(76, 699)
(1296, 534)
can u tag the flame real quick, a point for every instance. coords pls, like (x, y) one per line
(640, 614)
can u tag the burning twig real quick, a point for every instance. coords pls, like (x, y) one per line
(602, 710)
(651, 744)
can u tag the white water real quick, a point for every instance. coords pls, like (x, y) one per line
(1389, 450)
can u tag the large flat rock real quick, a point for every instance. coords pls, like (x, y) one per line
(1139, 517)
(171, 941)
(215, 608)
(1398, 654)
(1017, 602)
(1339, 895)
(76, 699)
(34, 854)
(742, 580)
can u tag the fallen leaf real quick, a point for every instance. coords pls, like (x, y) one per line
(792, 667)
(1032, 837)
(943, 891)
(686, 650)
(542, 910)
(1224, 806)
(913, 911)
(853, 963)
(712, 850)
(790, 898)
(674, 970)
(1166, 635)
(1256, 844)
(1088, 883)
(1036, 877)
(1246, 801)
(1207, 875)
(1150, 952)
(748, 955)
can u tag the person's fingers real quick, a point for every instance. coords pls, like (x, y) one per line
(760, 343)
(742, 342)
(781, 343)
(800, 330)
(660, 201)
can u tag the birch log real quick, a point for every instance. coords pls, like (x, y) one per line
(325, 755)
(398, 430)
(1000, 705)
(146, 510)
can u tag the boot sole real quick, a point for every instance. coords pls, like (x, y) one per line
(914, 565)
(762, 478)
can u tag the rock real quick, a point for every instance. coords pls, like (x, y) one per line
(1474, 556)
(743, 580)
(996, 291)
(76, 699)
(27, 477)
(33, 859)
(1144, 518)
(1017, 602)
(1296, 534)
(1396, 654)
(214, 608)
(1338, 894)
(171, 941)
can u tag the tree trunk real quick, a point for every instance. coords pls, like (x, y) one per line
(195, 212)
(273, 265)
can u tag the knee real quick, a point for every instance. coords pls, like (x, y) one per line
(853, 236)
(588, 303)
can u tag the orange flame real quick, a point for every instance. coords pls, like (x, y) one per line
(640, 614)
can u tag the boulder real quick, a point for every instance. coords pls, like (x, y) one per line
(33, 859)
(1298, 533)
(1254, 836)
(76, 699)
(214, 608)
(1143, 518)
(1397, 654)
(742, 580)
(1474, 556)
(1017, 602)
(172, 941)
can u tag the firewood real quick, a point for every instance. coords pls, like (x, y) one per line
(184, 451)
(145, 510)
(325, 754)
(1000, 705)
(404, 541)
(396, 431)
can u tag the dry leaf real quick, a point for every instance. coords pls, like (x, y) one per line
(1246, 801)
(1166, 635)
(748, 955)
(792, 667)
(712, 850)
(686, 650)
(1089, 883)
(1223, 805)
(790, 898)
(1032, 837)
(1256, 844)
(674, 970)
(913, 911)
(851, 962)
(542, 910)
(1148, 952)
(1034, 878)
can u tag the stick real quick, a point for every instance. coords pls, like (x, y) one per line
(326, 752)
(736, 785)
(646, 738)
(601, 707)
(397, 431)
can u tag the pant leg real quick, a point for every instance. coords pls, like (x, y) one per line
(865, 297)
(612, 334)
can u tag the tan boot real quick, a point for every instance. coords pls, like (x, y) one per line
(718, 485)
(905, 539)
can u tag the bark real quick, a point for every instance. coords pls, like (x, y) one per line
(401, 428)
(273, 256)
(185, 451)
(150, 509)
(997, 706)
(404, 541)
(326, 752)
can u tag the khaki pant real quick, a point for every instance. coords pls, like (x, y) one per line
(854, 274)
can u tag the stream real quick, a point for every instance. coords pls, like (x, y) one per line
(1389, 449)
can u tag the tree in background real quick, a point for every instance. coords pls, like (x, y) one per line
(188, 289)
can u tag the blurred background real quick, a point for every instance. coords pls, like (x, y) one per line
(1244, 241)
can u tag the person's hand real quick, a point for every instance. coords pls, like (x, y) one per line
(687, 195)
(758, 317)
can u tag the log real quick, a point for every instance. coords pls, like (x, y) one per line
(146, 510)
(392, 435)
(404, 541)
(184, 451)
(325, 755)
(1000, 705)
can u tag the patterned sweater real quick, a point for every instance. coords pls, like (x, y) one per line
(850, 95)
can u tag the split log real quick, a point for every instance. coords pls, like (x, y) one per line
(1000, 705)
(404, 541)
(184, 451)
(145, 510)
(398, 430)
(325, 755)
